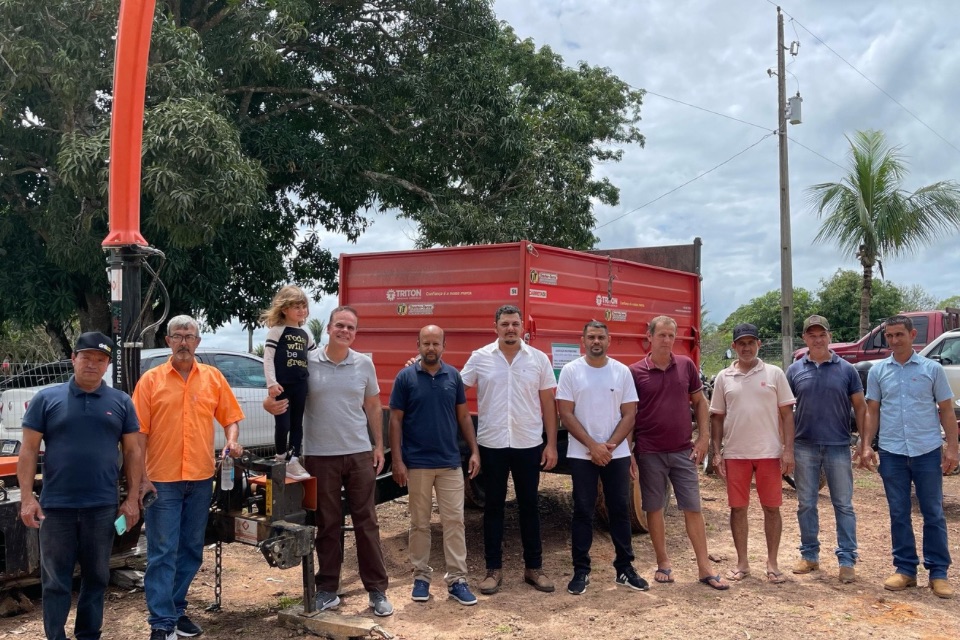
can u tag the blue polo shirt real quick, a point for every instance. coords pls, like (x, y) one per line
(908, 395)
(429, 405)
(81, 432)
(823, 391)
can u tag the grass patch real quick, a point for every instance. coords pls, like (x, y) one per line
(285, 602)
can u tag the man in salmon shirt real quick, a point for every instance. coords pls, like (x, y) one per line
(751, 417)
(177, 403)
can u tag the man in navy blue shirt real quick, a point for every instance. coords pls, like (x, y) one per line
(80, 422)
(909, 401)
(428, 406)
(825, 386)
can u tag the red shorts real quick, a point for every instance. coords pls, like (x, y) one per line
(769, 482)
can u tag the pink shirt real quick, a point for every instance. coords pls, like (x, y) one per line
(751, 404)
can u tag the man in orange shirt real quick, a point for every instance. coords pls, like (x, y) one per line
(177, 403)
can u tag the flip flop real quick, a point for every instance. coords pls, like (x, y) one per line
(736, 575)
(714, 583)
(665, 572)
(775, 577)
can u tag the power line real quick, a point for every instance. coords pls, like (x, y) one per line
(693, 106)
(678, 187)
(864, 76)
(816, 153)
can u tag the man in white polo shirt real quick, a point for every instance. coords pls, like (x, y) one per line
(515, 384)
(751, 414)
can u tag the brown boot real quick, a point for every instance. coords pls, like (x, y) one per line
(538, 579)
(491, 584)
(805, 566)
(899, 582)
(941, 588)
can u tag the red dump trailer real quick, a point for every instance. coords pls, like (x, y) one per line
(557, 291)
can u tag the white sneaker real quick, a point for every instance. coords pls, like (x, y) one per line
(295, 470)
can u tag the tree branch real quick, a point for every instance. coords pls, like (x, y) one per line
(405, 184)
(312, 96)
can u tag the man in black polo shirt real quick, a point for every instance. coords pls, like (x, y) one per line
(81, 422)
(427, 406)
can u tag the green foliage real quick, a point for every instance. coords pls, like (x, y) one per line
(266, 123)
(764, 312)
(832, 300)
(916, 298)
(836, 298)
(868, 215)
(952, 301)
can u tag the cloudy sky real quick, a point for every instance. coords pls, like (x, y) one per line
(715, 55)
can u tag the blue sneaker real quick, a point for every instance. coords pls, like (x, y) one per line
(578, 584)
(421, 591)
(460, 592)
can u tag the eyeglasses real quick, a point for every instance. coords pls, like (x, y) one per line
(177, 338)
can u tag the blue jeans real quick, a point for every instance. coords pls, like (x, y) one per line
(69, 536)
(616, 490)
(924, 472)
(834, 461)
(175, 526)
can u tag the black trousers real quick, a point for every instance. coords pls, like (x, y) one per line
(497, 465)
(616, 486)
(291, 421)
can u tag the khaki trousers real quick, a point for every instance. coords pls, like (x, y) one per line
(448, 484)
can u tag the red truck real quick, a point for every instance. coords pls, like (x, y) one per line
(557, 290)
(873, 346)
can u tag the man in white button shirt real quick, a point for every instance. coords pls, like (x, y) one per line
(515, 384)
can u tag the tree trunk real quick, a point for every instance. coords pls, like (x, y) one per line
(866, 293)
(58, 339)
(95, 316)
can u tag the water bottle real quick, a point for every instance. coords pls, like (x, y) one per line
(226, 472)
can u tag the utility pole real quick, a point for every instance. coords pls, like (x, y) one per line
(786, 251)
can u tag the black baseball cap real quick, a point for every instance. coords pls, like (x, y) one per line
(94, 341)
(745, 330)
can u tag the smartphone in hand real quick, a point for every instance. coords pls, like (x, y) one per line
(120, 524)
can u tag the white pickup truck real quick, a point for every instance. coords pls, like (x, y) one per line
(946, 350)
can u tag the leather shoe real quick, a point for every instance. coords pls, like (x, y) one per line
(491, 584)
(538, 580)
(805, 566)
(899, 582)
(941, 588)
(847, 575)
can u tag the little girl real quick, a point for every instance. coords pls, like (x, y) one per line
(285, 367)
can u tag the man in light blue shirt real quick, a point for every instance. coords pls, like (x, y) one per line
(905, 392)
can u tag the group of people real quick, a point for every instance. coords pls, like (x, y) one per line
(758, 433)
(624, 423)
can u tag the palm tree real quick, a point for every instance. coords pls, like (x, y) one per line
(869, 215)
(316, 327)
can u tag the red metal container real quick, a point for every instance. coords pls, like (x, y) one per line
(557, 290)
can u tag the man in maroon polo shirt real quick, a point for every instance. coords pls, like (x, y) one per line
(668, 385)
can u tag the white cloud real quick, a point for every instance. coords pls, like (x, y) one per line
(716, 55)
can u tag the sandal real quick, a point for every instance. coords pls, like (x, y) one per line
(775, 577)
(736, 575)
(714, 583)
(664, 572)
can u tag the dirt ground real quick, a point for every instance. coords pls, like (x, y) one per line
(810, 606)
